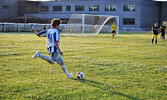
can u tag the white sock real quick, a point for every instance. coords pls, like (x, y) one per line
(46, 58)
(65, 70)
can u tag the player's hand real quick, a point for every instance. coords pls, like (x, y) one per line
(33, 30)
(60, 52)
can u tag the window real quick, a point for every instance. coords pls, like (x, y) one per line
(68, 8)
(44, 8)
(129, 7)
(57, 8)
(6, 7)
(110, 8)
(129, 21)
(31, 9)
(79, 8)
(93, 7)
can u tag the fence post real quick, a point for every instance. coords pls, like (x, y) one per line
(2, 27)
(17, 27)
(44, 26)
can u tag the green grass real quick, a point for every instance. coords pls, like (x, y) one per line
(127, 67)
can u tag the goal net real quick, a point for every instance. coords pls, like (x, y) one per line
(88, 24)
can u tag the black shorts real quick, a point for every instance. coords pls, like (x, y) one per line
(156, 33)
(163, 34)
(113, 31)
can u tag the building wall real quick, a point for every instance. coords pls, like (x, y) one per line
(164, 9)
(27, 7)
(12, 11)
(146, 11)
(119, 10)
(150, 13)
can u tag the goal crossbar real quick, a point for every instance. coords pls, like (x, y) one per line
(87, 24)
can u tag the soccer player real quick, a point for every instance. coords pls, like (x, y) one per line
(155, 31)
(162, 30)
(113, 29)
(52, 45)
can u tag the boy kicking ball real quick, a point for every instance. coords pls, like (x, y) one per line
(52, 44)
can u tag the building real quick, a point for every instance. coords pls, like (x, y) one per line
(133, 14)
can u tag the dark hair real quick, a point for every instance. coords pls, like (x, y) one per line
(55, 22)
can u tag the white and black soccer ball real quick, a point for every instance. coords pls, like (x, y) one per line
(80, 75)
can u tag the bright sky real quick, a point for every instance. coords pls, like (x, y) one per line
(54, 0)
(160, 0)
(41, 0)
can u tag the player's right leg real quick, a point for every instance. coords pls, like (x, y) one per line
(65, 70)
(164, 37)
(156, 41)
(46, 58)
(152, 40)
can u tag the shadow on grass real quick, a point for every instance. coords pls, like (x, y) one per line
(104, 87)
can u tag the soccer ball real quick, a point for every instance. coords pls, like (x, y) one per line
(80, 75)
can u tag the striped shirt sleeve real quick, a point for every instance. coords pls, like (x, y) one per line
(43, 33)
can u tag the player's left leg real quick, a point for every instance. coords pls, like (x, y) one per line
(60, 61)
(113, 34)
(152, 40)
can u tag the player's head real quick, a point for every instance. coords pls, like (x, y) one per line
(164, 24)
(55, 23)
(156, 24)
(113, 22)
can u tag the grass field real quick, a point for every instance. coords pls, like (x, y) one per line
(127, 67)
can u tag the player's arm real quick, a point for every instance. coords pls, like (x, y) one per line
(152, 30)
(116, 28)
(40, 34)
(160, 29)
(43, 33)
(37, 33)
(57, 46)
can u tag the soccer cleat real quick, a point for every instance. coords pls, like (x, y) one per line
(69, 76)
(37, 54)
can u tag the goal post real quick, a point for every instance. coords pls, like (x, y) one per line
(83, 22)
(117, 26)
(89, 24)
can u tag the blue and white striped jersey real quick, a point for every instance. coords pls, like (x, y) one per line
(52, 36)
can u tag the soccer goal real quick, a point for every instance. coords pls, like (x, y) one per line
(89, 24)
